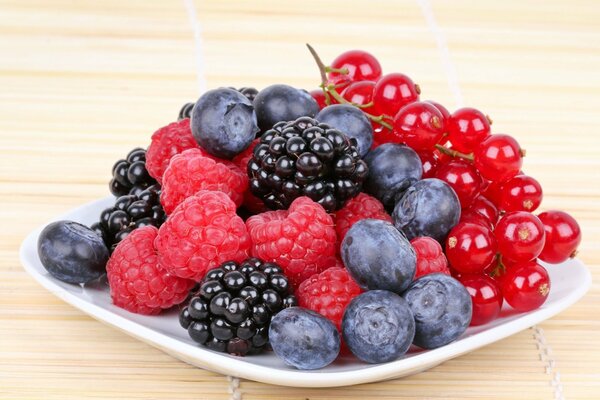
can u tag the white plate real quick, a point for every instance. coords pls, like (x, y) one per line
(570, 281)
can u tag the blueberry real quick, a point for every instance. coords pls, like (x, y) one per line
(351, 122)
(378, 256)
(303, 338)
(442, 308)
(282, 103)
(72, 252)
(392, 169)
(224, 122)
(428, 208)
(378, 326)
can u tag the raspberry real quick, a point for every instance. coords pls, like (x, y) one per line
(192, 171)
(360, 207)
(166, 142)
(328, 293)
(251, 202)
(301, 240)
(201, 233)
(430, 256)
(137, 283)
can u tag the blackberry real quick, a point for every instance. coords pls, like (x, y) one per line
(186, 110)
(232, 310)
(130, 175)
(306, 158)
(128, 213)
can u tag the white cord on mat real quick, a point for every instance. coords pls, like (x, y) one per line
(190, 8)
(442, 46)
(547, 358)
(234, 388)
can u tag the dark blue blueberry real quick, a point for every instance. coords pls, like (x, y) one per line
(378, 256)
(278, 103)
(351, 122)
(303, 338)
(224, 122)
(72, 252)
(442, 308)
(392, 169)
(428, 208)
(378, 326)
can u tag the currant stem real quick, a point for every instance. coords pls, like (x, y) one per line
(454, 153)
(320, 64)
(343, 71)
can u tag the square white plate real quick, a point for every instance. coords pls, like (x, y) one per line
(570, 281)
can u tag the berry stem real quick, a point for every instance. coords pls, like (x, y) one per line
(454, 153)
(330, 90)
(343, 71)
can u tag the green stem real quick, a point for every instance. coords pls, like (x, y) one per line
(454, 153)
(343, 71)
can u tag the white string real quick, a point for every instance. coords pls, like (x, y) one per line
(442, 45)
(547, 358)
(190, 8)
(234, 388)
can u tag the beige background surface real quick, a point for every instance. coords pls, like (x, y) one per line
(82, 82)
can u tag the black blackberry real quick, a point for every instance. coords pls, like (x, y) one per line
(186, 110)
(130, 212)
(306, 158)
(130, 176)
(232, 310)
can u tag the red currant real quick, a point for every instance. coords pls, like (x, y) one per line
(319, 96)
(520, 236)
(467, 127)
(340, 82)
(430, 256)
(563, 236)
(361, 66)
(526, 286)
(392, 92)
(463, 178)
(485, 296)
(442, 109)
(493, 192)
(521, 193)
(498, 158)
(429, 162)
(482, 205)
(419, 125)
(359, 93)
(470, 248)
(474, 217)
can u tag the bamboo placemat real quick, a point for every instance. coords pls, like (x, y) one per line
(85, 81)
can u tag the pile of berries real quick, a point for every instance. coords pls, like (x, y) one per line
(352, 218)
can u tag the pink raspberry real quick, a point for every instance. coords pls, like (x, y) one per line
(360, 207)
(301, 240)
(200, 234)
(166, 142)
(137, 283)
(251, 202)
(191, 171)
(430, 256)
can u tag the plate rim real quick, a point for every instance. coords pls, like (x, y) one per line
(223, 364)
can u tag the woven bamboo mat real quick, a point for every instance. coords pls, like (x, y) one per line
(84, 81)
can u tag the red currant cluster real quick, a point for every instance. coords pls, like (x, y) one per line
(494, 250)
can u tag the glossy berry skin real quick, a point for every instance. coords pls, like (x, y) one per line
(360, 93)
(526, 286)
(441, 109)
(470, 248)
(419, 125)
(484, 207)
(467, 128)
(563, 236)
(392, 169)
(278, 103)
(72, 252)
(361, 66)
(319, 97)
(493, 192)
(430, 257)
(521, 193)
(430, 163)
(378, 326)
(520, 236)
(473, 217)
(442, 309)
(498, 158)
(224, 122)
(485, 295)
(351, 122)
(394, 91)
(378, 256)
(304, 339)
(428, 208)
(463, 178)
